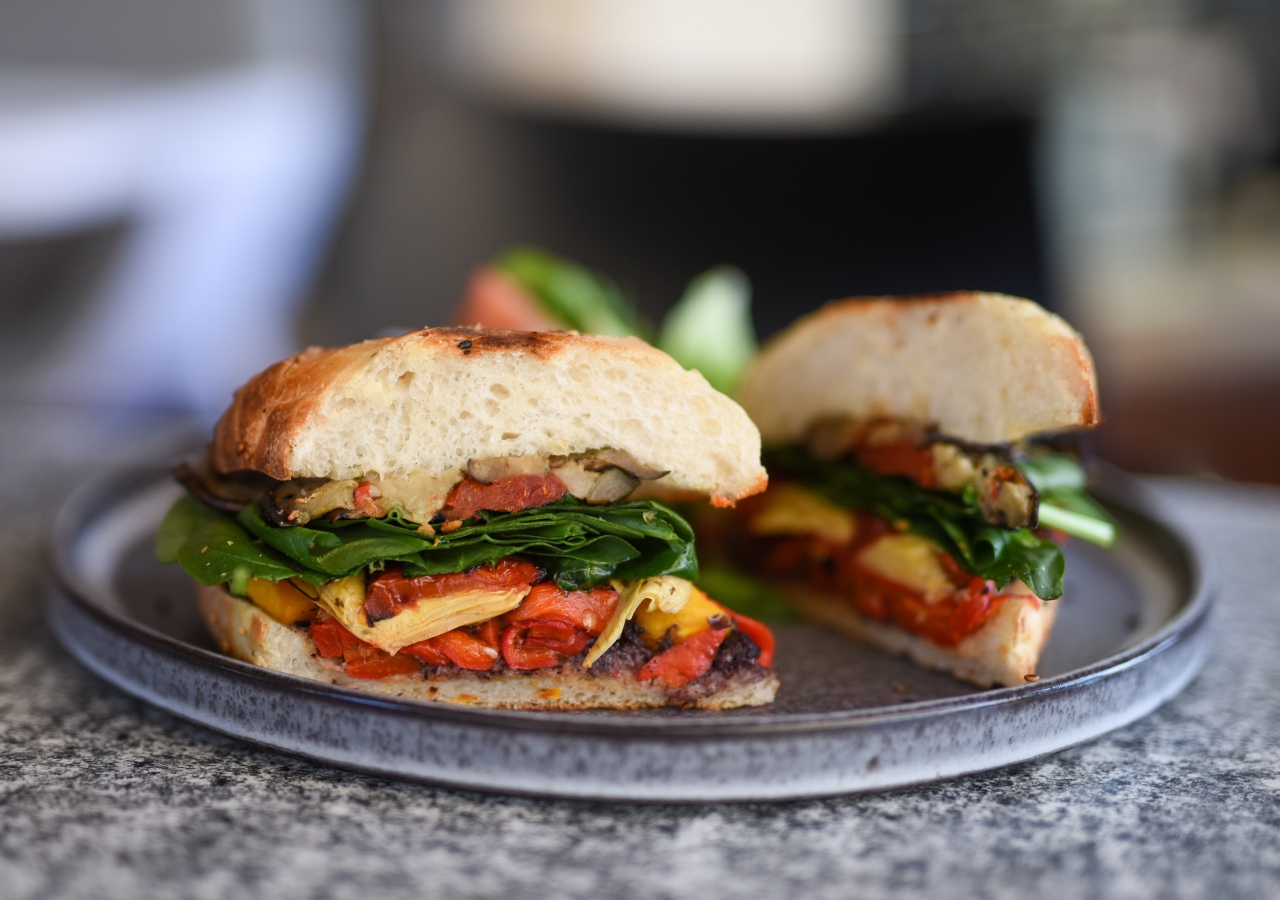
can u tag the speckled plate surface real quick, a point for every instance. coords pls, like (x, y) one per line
(848, 719)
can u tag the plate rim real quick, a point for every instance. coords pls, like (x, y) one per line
(98, 494)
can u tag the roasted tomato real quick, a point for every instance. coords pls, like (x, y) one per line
(512, 494)
(687, 660)
(391, 591)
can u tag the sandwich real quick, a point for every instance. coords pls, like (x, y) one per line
(917, 502)
(447, 515)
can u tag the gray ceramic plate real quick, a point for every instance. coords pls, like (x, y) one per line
(1130, 635)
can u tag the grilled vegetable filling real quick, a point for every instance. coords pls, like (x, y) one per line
(926, 533)
(514, 573)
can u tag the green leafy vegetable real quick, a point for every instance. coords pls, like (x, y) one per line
(1090, 528)
(578, 297)
(952, 521)
(211, 548)
(1064, 505)
(746, 594)
(579, 546)
(710, 328)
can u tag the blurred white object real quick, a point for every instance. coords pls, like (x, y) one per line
(230, 175)
(708, 64)
(1140, 140)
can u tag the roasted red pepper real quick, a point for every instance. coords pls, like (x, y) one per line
(474, 647)
(551, 625)
(391, 591)
(381, 665)
(900, 458)
(365, 499)
(327, 634)
(980, 603)
(541, 643)
(687, 660)
(359, 659)
(512, 494)
(586, 610)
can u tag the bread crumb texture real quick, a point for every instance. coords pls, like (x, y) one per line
(431, 400)
(985, 368)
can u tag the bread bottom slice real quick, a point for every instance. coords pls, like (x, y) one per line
(1004, 651)
(245, 632)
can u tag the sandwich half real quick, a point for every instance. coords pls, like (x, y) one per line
(913, 505)
(447, 515)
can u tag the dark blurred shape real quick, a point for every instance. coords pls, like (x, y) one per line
(901, 210)
(1117, 162)
(43, 284)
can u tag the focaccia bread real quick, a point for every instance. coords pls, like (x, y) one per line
(449, 515)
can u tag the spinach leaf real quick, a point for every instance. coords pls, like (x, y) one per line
(953, 521)
(213, 549)
(579, 545)
(746, 594)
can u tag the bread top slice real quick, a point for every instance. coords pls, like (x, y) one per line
(983, 368)
(431, 400)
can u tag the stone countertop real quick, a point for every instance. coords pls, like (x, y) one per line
(103, 796)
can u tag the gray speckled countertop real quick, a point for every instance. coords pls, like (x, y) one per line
(102, 796)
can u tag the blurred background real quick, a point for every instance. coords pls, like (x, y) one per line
(192, 189)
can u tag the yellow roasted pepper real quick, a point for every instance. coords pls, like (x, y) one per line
(281, 601)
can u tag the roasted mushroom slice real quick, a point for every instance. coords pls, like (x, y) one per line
(487, 471)
(612, 485)
(577, 480)
(599, 460)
